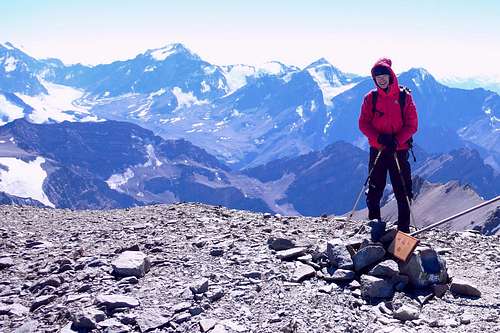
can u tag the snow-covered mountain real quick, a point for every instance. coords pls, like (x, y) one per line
(244, 115)
(18, 71)
(111, 164)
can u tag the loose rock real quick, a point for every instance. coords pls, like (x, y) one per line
(131, 263)
(367, 255)
(464, 288)
(116, 301)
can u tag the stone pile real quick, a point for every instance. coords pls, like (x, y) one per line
(367, 269)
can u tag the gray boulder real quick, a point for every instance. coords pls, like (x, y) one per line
(338, 275)
(116, 301)
(385, 269)
(149, 320)
(131, 263)
(406, 313)
(87, 319)
(199, 286)
(367, 256)
(302, 272)
(6, 262)
(464, 288)
(338, 255)
(31, 326)
(373, 287)
(14, 310)
(291, 253)
(280, 244)
(41, 301)
(207, 324)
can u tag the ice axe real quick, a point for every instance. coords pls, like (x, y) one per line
(403, 244)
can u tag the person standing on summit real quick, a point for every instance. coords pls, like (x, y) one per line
(389, 125)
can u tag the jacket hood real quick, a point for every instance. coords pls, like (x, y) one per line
(394, 86)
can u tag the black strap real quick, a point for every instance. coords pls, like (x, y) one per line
(374, 100)
(402, 102)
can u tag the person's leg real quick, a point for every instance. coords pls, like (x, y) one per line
(376, 184)
(400, 190)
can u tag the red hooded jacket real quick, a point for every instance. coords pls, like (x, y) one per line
(390, 122)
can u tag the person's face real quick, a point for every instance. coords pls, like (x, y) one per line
(382, 80)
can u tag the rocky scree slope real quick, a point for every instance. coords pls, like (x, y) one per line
(200, 268)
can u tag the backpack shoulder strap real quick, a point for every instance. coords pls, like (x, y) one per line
(403, 91)
(374, 100)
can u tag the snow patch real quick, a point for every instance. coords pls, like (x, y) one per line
(144, 108)
(9, 110)
(236, 76)
(209, 70)
(186, 99)
(117, 180)
(313, 106)
(163, 53)
(328, 123)
(8, 46)
(271, 68)
(152, 159)
(158, 92)
(300, 111)
(170, 120)
(24, 179)
(330, 87)
(51, 106)
(10, 64)
(236, 113)
(204, 87)
(258, 141)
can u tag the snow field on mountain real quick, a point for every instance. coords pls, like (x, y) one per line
(52, 106)
(9, 110)
(24, 179)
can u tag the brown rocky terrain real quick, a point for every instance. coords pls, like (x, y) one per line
(199, 268)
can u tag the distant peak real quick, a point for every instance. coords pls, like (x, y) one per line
(8, 46)
(419, 71)
(418, 75)
(164, 52)
(275, 68)
(320, 62)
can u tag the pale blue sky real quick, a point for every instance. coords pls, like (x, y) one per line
(446, 37)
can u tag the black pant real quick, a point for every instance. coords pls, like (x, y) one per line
(377, 182)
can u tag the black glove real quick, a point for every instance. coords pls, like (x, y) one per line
(388, 141)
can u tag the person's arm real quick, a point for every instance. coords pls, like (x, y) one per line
(410, 121)
(365, 119)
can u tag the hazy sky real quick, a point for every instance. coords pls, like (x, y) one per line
(447, 37)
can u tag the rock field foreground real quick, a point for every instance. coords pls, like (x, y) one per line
(200, 268)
